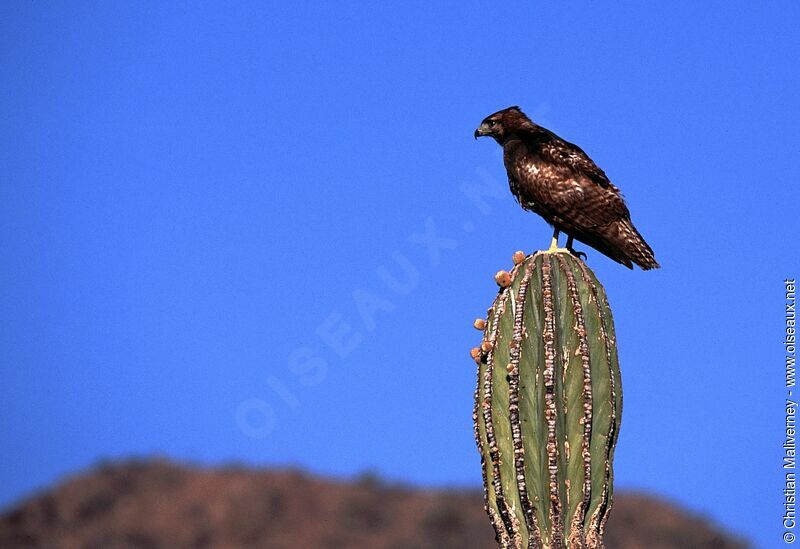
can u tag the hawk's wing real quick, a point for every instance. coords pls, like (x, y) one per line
(562, 152)
(579, 193)
(560, 182)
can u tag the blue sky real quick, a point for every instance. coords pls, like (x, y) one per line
(215, 228)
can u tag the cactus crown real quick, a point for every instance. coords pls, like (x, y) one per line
(548, 404)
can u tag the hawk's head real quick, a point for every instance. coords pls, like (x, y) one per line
(503, 123)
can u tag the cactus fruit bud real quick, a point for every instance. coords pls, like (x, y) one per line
(548, 405)
(475, 353)
(518, 257)
(486, 346)
(502, 278)
(479, 324)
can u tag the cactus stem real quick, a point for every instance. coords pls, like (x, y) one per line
(601, 514)
(535, 538)
(548, 404)
(499, 532)
(550, 401)
(502, 506)
(583, 350)
(502, 537)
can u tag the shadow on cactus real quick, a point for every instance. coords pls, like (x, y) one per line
(548, 404)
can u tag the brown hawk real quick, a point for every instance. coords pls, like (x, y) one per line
(558, 181)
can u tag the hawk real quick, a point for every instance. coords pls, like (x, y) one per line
(558, 181)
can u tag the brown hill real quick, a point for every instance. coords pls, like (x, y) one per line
(157, 504)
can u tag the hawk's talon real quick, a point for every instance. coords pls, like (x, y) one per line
(580, 255)
(573, 251)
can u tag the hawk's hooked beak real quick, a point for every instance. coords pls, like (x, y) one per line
(482, 131)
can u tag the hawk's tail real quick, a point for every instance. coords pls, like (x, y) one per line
(635, 247)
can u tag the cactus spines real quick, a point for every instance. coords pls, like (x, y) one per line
(548, 405)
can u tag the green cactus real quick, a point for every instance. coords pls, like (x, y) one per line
(548, 404)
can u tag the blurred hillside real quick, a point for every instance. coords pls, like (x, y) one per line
(158, 504)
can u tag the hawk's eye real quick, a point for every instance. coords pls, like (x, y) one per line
(492, 123)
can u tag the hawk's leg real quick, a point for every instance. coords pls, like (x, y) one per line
(554, 242)
(573, 251)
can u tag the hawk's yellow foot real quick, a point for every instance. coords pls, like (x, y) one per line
(554, 244)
